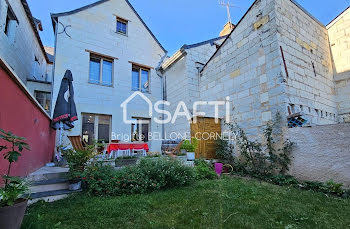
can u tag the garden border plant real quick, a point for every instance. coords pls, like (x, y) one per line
(147, 176)
(13, 198)
(77, 161)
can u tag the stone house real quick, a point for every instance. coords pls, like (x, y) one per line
(112, 55)
(22, 49)
(181, 76)
(277, 58)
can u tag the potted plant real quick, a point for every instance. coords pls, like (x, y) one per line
(77, 161)
(190, 147)
(125, 161)
(12, 201)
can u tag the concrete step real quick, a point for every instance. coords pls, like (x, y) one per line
(49, 185)
(50, 196)
(47, 173)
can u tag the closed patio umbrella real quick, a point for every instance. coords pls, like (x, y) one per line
(65, 112)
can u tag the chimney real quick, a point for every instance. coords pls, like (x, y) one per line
(227, 29)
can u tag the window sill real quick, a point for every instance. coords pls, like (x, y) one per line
(144, 92)
(99, 84)
(126, 35)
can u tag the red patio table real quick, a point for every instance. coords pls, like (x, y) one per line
(126, 146)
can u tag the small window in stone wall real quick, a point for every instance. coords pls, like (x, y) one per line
(10, 24)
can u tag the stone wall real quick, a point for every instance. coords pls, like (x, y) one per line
(20, 50)
(177, 89)
(339, 37)
(182, 82)
(321, 153)
(95, 29)
(247, 69)
(310, 85)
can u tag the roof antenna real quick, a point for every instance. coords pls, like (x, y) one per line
(228, 5)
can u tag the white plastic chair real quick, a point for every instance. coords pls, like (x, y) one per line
(137, 151)
(124, 153)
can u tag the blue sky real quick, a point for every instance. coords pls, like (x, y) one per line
(178, 22)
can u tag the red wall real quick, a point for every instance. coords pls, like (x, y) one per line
(20, 115)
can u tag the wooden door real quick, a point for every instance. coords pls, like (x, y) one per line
(206, 131)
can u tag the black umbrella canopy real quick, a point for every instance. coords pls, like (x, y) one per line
(65, 110)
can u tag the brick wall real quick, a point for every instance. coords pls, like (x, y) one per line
(321, 153)
(339, 36)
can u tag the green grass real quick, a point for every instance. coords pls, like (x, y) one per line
(227, 203)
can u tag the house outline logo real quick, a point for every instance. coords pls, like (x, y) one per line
(131, 97)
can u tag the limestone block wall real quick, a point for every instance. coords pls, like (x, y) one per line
(20, 51)
(182, 80)
(177, 88)
(321, 153)
(200, 54)
(339, 38)
(310, 85)
(95, 29)
(247, 69)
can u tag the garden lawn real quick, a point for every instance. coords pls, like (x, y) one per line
(226, 203)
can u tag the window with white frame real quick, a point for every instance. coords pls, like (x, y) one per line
(44, 99)
(140, 130)
(96, 127)
(101, 70)
(140, 79)
(122, 26)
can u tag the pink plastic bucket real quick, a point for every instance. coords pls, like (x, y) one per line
(218, 168)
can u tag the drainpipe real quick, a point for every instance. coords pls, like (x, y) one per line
(163, 87)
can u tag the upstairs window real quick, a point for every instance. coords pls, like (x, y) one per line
(101, 70)
(140, 79)
(11, 24)
(122, 26)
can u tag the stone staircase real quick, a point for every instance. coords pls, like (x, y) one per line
(48, 184)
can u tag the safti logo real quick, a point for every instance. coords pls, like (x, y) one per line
(181, 110)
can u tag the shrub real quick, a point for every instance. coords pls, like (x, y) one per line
(99, 179)
(148, 175)
(203, 170)
(167, 173)
(131, 180)
(77, 161)
(335, 188)
(256, 158)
